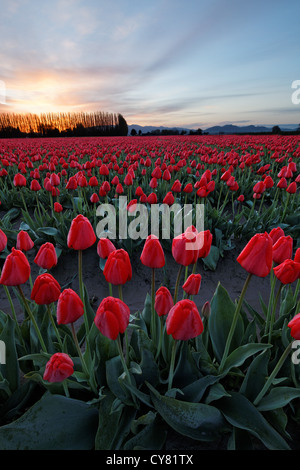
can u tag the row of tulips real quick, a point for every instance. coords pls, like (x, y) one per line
(224, 370)
(250, 182)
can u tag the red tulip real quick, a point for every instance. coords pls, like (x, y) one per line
(81, 234)
(297, 255)
(45, 289)
(204, 241)
(24, 242)
(283, 249)
(69, 307)
(19, 180)
(188, 188)
(259, 187)
(58, 368)
(183, 321)
(185, 248)
(163, 301)
(35, 185)
(16, 269)
(169, 199)
(118, 268)
(192, 284)
(294, 325)
(46, 257)
(58, 207)
(256, 258)
(152, 254)
(276, 233)
(104, 247)
(112, 317)
(288, 271)
(152, 198)
(94, 198)
(3, 240)
(292, 188)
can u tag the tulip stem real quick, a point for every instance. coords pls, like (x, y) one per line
(271, 299)
(177, 283)
(84, 366)
(286, 206)
(81, 290)
(124, 365)
(54, 327)
(172, 364)
(32, 319)
(272, 319)
(13, 310)
(160, 337)
(153, 332)
(234, 322)
(273, 375)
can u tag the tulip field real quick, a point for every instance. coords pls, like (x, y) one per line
(113, 342)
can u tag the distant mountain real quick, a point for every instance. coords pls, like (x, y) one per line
(226, 129)
(232, 129)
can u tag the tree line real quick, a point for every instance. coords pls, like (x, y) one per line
(16, 125)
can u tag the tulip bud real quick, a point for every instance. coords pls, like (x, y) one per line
(16, 269)
(58, 368)
(206, 310)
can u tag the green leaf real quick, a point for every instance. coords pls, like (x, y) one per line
(241, 413)
(220, 320)
(51, 231)
(153, 436)
(256, 376)
(195, 420)
(211, 261)
(53, 423)
(278, 398)
(10, 370)
(242, 353)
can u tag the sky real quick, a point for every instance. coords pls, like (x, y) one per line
(173, 63)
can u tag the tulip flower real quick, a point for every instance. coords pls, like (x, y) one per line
(58, 207)
(204, 241)
(276, 233)
(192, 284)
(294, 325)
(81, 234)
(69, 307)
(3, 240)
(112, 317)
(16, 269)
(45, 290)
(104, 247)
(163, 301)
(118, 268)
(24, 242)
(58, 368)
(183, 321)
(257, 256)
(288, 271)
(283, 249)
(153, 254)
(46, 257)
